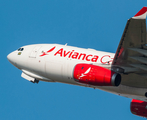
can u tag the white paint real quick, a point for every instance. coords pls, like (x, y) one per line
(60, 69)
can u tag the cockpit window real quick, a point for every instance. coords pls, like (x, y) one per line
(20, 49)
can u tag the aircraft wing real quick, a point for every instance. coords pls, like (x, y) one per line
(131, 56)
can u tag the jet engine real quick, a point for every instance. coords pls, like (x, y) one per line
(139, 108)
(96, 75)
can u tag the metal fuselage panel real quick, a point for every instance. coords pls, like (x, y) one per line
(56, 62)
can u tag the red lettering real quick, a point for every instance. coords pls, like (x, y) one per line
(106, 59)
(75, 55)
(84, 55)
(88, 58)
(95, 58)
(59, 52)
(65, 54)
(70, 54)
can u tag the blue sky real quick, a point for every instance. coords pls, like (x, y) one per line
(83, 23)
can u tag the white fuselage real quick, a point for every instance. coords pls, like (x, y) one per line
(55, 63)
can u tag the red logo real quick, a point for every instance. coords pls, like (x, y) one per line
(106, 59)
(76, 55)
(85, 73)
(50, 50)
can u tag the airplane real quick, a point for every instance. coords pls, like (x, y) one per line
(123, 73)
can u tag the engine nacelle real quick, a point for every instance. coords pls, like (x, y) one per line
(139, 108)
(96, 75)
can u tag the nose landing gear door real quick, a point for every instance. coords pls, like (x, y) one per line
(33, 53)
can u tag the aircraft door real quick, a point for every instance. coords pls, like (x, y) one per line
(33, 53)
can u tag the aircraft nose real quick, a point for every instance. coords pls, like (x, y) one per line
(10, 57)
